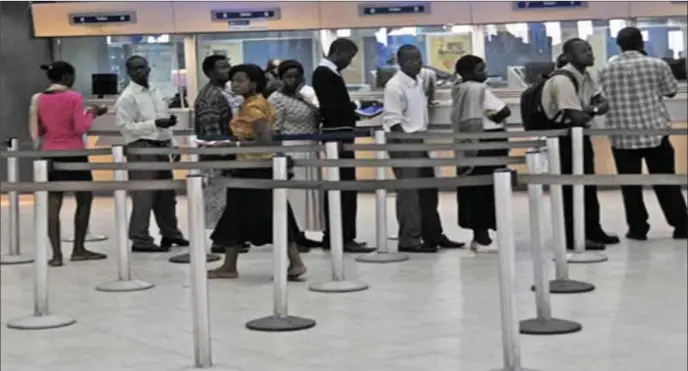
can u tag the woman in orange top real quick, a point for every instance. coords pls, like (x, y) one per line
(247, 216)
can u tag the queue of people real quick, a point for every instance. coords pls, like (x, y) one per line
(252, 104)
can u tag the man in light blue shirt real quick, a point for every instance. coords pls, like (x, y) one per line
(144, 120)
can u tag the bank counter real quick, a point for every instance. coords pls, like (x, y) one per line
(511, 36)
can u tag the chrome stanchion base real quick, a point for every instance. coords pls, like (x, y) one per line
(124, 286)
(213, 367)
(393, 237)
(89, 238)
(567, 286)
(280, 324)
(514, 369)
(549, 326)
(41, 322)
(15, 259)
(339, 286)
(586, 257)
(383, 257)
(185, 258)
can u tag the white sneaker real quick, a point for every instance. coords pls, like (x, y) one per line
(484, 249)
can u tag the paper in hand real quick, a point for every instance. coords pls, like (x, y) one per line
(370, 111)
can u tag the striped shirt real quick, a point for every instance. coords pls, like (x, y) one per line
(212, 113)
(636, 85)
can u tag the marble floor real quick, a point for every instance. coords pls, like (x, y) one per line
(433, 313)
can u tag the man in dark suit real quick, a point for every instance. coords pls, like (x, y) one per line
(339, 116)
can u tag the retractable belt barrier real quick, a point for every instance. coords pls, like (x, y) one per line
(503, 181)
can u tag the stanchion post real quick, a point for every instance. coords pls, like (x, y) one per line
(562, 284)
(124, 281)
(14, 255)
(338, 283)
(280, 320)
(511, 346)
(41, 318)
(199, 278)
(192, 142)
(580, 255)
(544, 323)
(384, 253)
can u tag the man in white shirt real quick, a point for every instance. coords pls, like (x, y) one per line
(405, 111)
(144, 121)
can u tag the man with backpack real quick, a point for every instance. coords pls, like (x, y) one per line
(571, 98)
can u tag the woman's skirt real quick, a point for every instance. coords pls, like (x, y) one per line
(476, 204)
(306, 203)
(247, 215)
(69, 176)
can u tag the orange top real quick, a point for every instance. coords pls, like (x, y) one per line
(253, 109)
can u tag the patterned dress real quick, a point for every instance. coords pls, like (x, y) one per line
(298, 114)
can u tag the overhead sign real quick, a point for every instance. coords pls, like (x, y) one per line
(524, 5)
(102, 18)
(391, 9)
(254, 14)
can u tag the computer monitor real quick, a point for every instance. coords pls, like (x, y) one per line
(678, 67)
(383, 75)
(534, 71)
(103, 84)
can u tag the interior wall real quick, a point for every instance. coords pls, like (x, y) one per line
(20, 57)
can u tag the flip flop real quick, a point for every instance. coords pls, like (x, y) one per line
(89, 255)
(217, 275)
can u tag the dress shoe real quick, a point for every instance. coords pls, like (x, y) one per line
(604, 239)
(306, 242)
(592, 246)
(636, 235)
(424, 248)
(148, 247)
(680, 233)
(445, 243)
(480, 248)
(166, 242)
(357, 247)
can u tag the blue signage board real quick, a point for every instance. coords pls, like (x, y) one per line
(524, 5)
(391, 9)
(102, 18)
(233, 15)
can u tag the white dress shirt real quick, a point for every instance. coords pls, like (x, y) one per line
(136, 110)
(405, 103)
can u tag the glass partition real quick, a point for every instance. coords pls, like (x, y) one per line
(93, 55)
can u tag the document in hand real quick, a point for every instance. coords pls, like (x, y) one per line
(371, 111)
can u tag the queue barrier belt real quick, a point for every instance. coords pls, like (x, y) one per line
(354, 185)
(61, 154)
(605, 180)
(252, 164)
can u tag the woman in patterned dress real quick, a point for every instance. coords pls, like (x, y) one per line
(297, 113)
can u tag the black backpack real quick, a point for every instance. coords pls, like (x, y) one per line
(532, 113)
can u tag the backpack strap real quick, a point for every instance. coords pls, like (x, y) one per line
(569, 74)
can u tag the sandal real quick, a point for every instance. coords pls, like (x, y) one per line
(87, 255)
(219, 274)
(55, 262)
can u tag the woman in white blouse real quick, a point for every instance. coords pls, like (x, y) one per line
(477, 109)
(297, 113)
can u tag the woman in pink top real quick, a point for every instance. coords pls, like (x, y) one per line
(60, 120)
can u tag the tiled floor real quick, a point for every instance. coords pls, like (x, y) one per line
(433, 313)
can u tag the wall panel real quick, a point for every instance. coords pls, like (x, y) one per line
(53, 20)
(345, 14)
(195, 16)
(495, 12)
(644, 9)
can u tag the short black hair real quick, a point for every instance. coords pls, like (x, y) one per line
(289, 64)
(209, 63)
(630, 38)
(254, 73)
(133, 58)
(342, 45)
(567, 48)
(56, 71)
(404, 50)
(561, 61)
(466, 64)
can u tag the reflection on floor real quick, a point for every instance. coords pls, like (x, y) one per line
(433, 313)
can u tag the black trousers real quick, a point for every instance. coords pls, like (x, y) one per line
(162, 203)
(349, 198)
(592, 204)
(659, 160)
(416, 208)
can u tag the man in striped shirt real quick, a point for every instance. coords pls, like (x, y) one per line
(636, 86)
